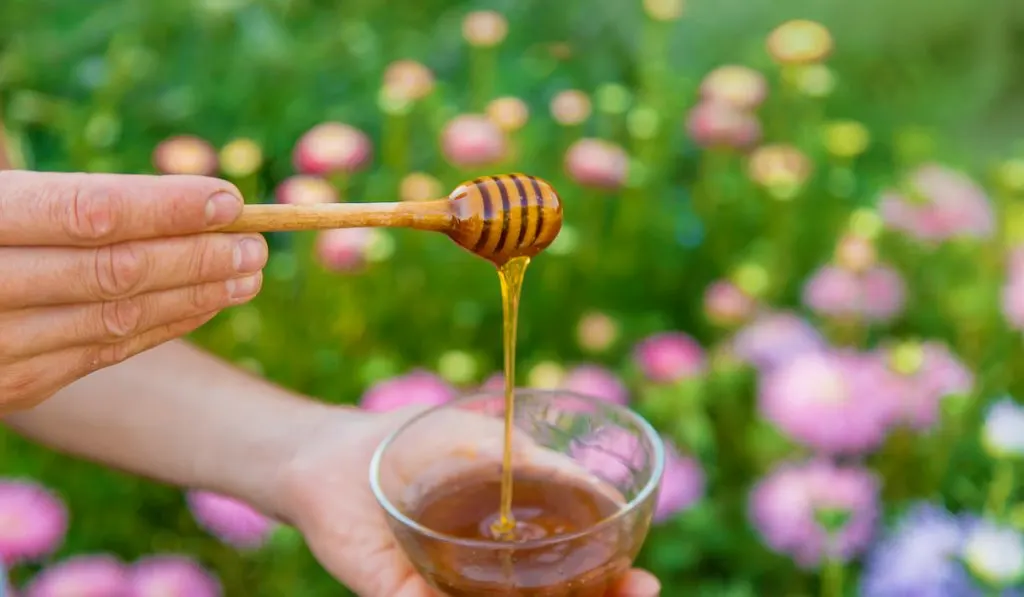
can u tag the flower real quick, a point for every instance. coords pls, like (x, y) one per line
(241, 158)
(596, 381)
(776, 338)
(726, 305)
(509, 113)
(715, 124)
(546, 375)
(609, 452)
(994, 553)
(232, 521)
(845, 138)
(472, 140)
(597, 164)
(738, 86)
(919, 556)
(419, 186)
(1012, 296)
(332, 148)
(682, 484)
(484, 28)
(921, 376)
(855, 253)
(494, 383)
(799, 42)
(940, 204)
(416, 387)
(1002, 433)
(596, 332)
(457, 366)
(664, 10)
(828, 401)
(81, 576)
(171, 576)
(185, 154)
(408, 80)
(782, 169)
(669, 357)
(816, 510)
(344, 249)
(305, 190)
(570, 107)
(877, 294)
(33, 521)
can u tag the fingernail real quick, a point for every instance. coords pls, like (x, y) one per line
(222, 209)
(250, 255)
(244, 287)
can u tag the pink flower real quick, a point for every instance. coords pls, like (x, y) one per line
(81, 576)
(726, 304)
(597, 382)
(33, 521)
(739, 86)
(185, 154)
(416, 387)
(610, 452)
(230, 520)
(332, 148)
(682, 485)
(715, 124)
(171, 576)
(776, 338)
(942, 204)
(472, 140)
(494, 383)
(669, 357)
(1013, 290)
(305, 190)
(920, 377)
(343, 249)
(877, 294)
(831, 402)
(816, 510)
(597, 164)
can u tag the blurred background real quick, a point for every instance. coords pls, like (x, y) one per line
(790, 241)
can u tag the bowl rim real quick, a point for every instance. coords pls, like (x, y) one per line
(645, 493)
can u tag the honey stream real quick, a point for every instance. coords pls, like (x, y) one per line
(511, 275)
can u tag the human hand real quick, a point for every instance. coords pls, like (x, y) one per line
(97, 268)
(326, 495)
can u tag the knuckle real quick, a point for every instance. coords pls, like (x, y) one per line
(121, 319)
(90, 216)
(203, 263)
(206, 297)
(119, 270)
(108, 354)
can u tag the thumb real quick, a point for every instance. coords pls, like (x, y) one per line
(638, 583)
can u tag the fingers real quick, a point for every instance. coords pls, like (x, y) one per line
(56, 328)
(57, 209)
(637, 583)
(69, 275)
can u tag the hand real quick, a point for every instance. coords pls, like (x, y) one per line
(96, 268)
(327, 497)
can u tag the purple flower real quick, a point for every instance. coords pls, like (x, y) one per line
(171, 576)
(876, 294)
(776, 338)
(609, 452)
(416, 387)
(941, 204)
(919, 557)
(669, 357)
(230, 520)
(33, 521)
(816, 511)
(828, 401)
(81, 576)
(921, 376)
(681, 486)
(597, 382)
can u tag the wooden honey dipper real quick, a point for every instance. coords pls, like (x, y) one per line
(495, 217)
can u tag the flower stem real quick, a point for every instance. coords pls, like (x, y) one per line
(832, 578)
(1000, 489)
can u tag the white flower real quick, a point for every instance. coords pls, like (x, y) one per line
(995, 554)
(1003, 431)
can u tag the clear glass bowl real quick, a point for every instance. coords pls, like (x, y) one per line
(607, 452)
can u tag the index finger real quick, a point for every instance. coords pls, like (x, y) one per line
(58, 209)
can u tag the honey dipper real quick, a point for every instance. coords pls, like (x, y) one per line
(495, 217)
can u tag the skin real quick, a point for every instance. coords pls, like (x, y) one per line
(101, 275)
